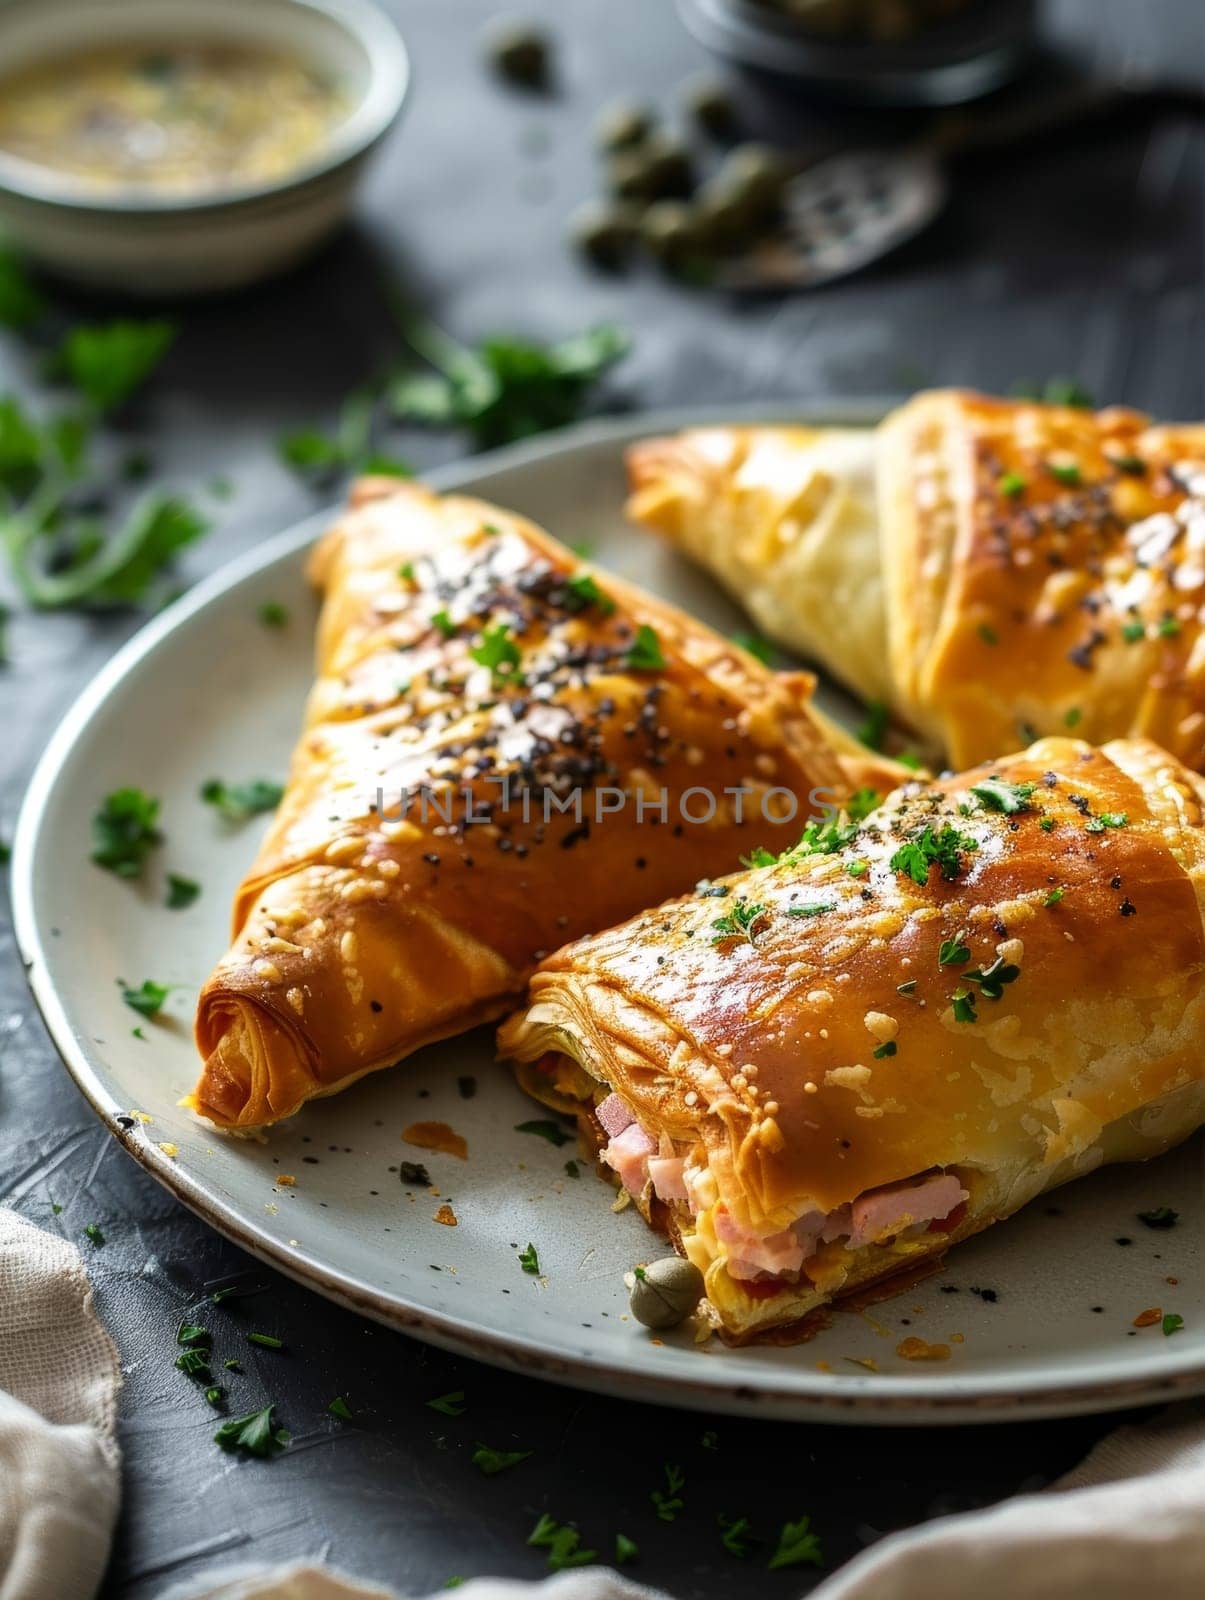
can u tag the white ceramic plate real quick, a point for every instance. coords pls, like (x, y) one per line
(205, 690)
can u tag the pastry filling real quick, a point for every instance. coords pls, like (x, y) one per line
(930, 1202)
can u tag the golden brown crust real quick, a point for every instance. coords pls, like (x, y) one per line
(1030, 568)
(791, 1061)
(1045, 566)
(359, 936)
(787, 520)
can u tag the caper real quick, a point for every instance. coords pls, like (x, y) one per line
(670, 234)
(723, 217)
(521, 53)
(753, 174)
(659, 170)
(623, 126)
(666, 1292)
(605, 233)
(712, 108)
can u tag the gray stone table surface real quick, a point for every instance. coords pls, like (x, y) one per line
(1082, 259)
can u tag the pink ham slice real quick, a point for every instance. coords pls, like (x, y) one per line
(884, 1212)
(613, 1115)
(666, 1173)
(629, 1152)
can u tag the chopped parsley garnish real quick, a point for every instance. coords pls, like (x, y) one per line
(756, 646)
(991, 980)
(1169, 627)
(887, 1048)
(273, 615)
(825, 838)
(236, 1291)
(667, 1503)
(350, 448)
(193, 1333)
(444, 623)
(181, 892)
(1133, 465)
(1131, 632)
(147, 999)
(626, 1550)
(584, 592)
(861, 803)
(874, 726)
(816, 909)
(215, 1397)
(448, 1405)
(194, 1364)
(925, 849)
(107, 361)
(269, 1341)
(909, 759)
(963, 1002)
(1172, 1323)
(572, 1170)
(254, 1434)
(1011, 484)
(1108, 819)
(759, 856)
(499, 652)
(857, 869)
(93, 1234)
(237, 802)
(1047, 824)
(739, 923)
(406, 571)
(797, 1546)
(529, 1260)
(1065, 472)
(644, 653)
(504, 388)
(987, 633)
(1053, 896)
(545, 1128)
(137, 1033)
(1073, 717)
(1160, 1217)
(492, 1462)
(710, 1440)
(906, 988)
(124, 832)
(998, 795)
(563, 1543)
(736, 1535)
(953, 953)
(340, 1408)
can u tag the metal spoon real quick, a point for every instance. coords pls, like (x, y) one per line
(846, 211)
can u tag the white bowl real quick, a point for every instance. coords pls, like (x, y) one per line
(143, 244)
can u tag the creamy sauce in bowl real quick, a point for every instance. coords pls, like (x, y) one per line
(176, 119)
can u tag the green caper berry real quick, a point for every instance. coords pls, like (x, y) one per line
(521, 53)
(606, 234)
(712, 108)
(657, 170)
(754, 173)
(621, 127)
(670, 235)
(666, 1292)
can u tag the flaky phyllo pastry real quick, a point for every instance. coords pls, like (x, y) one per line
(993, 570)
(471, 664)
(827, 1070)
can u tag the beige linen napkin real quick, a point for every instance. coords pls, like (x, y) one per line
(59, 1377)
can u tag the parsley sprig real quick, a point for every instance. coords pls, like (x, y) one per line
(943, 848)
(739, 923)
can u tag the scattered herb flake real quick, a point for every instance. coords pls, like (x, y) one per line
(238, 802)
(124, 831)
(147, 999)
(1161, 1217)
(269, 1341)
(998, 795)
(1011, 484)
(491, 1462)
(861, 803)
(926, 849)
(736, 1535)
(953, 953)
(987, 633)
(448, 1405)
(1172, 1323)
(874, 726)
(887, 1048)
(254, 1434)
(739, 923)
(1108, 819)
(193, 1333)
(1053, 896)
(93, 1234)
(273, 615)
(626, 1550)
(816, 909)
(194, 1364)
(530, 1261)
(584, 590)
(668, 1502)
(644, 653)
(797, 1546)
(181, 892)
(546, 1129)
(499, 652)
(340, 1408)
(963, 1002)
(756, 645)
